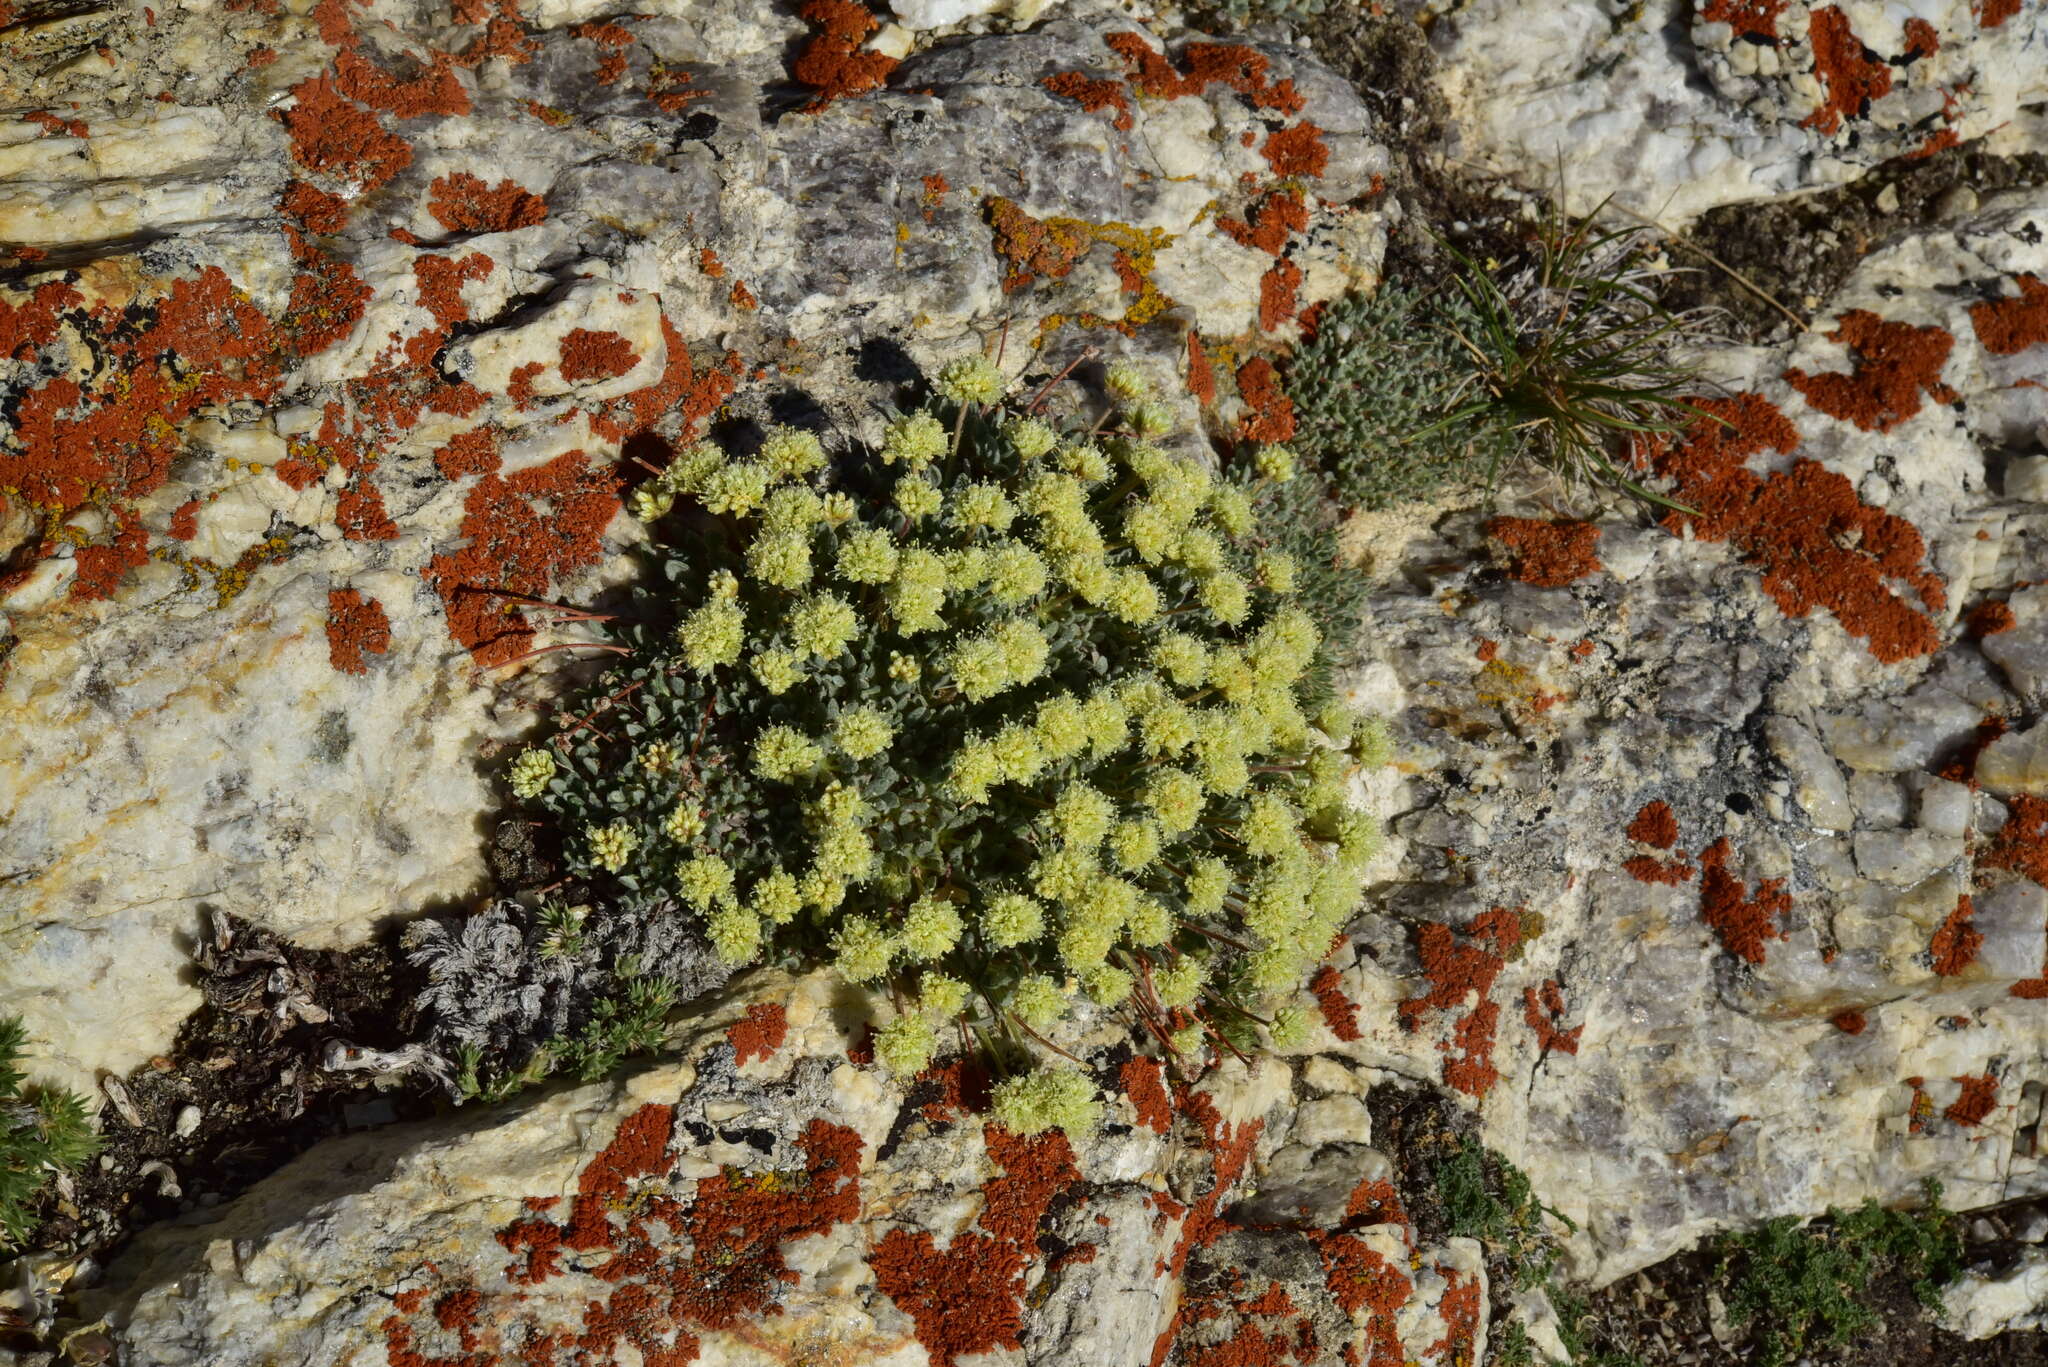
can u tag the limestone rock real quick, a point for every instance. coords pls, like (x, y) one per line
(1797, 96)
(760, 1196)
(334, 336)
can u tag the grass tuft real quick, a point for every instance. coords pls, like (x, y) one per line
(43, 1130)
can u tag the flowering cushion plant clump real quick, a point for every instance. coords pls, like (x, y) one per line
(995, 717)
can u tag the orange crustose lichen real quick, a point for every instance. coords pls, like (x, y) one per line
(1455, 971)
(1742, 921)
(1979, 1098)
(1143, 1083)
(462, 203)
(1848, 1022)
(521, 533)
(2007, 327)
(1542, 1011)
(356, 626)
(1898, 368)
(2021, 845)
(832, 63)
(1851, 74)
(588, 355)
(1749, 18)
(969, 1297)
(758, 1033)
(1269, 413)
(1339, 1012)
(1548, 555)
(1816, 542)
(1955, 944)
(1657, 826)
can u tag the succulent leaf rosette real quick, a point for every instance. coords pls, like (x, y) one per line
(995, 718)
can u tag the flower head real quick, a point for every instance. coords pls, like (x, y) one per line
(972, 378)
(530, 773)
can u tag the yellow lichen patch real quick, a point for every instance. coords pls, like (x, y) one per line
(1051, 247)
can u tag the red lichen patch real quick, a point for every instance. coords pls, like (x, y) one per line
(1201, 373)
(742, 297)
(474, 452)
(519, 386)
(1339, 1012)
(1461, 1312)
(1488, 652)
(2021, 845)
(969, 1298)
(1143, 1083)
(691, 397)
(1241, 68)
(1850, 73)
(719, 1263)
(1092, 95)
(1743, 923)
(1989, 619)
(1543, 1010)
(336, 138)
(1954, 947)
(1962, 768)
(1992, 13)
(521, 534)
(1276, 217)
(588, 355)
(359, 511)
(463, 203)
(1816, 542)
(1655, 824)
(1921, 39)
(436, 90)
(1548, 555)
(1848, 1022)
(1230, 1151)
(1277, 299)
(833, 63)
(1297, 150)
(356, 626)
(960, 1086)
(184, 524)
(1749, 18)
(611, 63)
(1978, 1100)
(110, 437)
(1270, 413)
(1360, 1279)
(1896, 364)
(52, 125)
(313, 208)
(759, 1033)
(1374, 1201)
(1034, 246)
(2007, 327)
(327, 300)
(1455, 972)
(935, 191)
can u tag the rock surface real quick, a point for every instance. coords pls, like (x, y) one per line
(761, 1198)
(1675, 107)
(1720, 880)
(377, 399)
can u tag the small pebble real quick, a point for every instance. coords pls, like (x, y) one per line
(188, 1121)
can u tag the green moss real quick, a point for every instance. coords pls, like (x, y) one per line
(1803, 1284)
(43, 1130)
(1487, 1198)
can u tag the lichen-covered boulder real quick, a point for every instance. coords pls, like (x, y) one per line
(1725, 881)
(1677, 106)
(333, 337)
(764, 1197)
